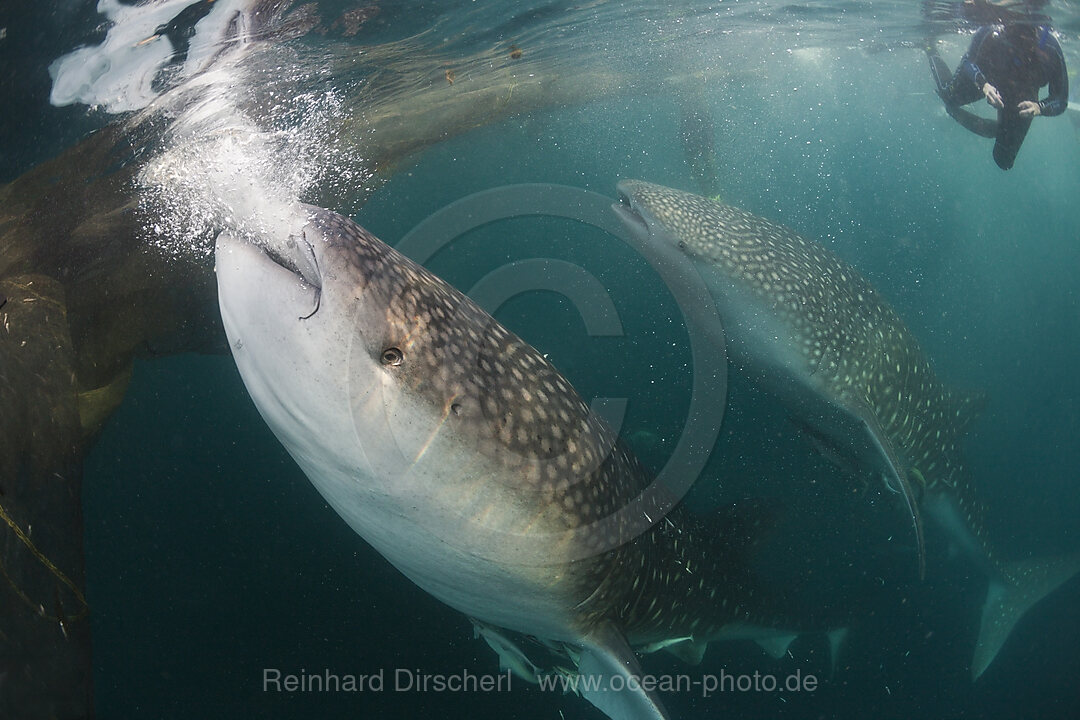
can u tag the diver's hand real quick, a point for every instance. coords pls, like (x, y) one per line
(1029, 109)
(992, 95)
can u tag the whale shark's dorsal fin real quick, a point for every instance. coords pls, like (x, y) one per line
(604, 657)
(837, 638)
(688, 649)
(968, 406)
(777, 646)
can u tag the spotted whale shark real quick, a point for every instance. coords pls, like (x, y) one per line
(472, 465)
(809, 328)
(813, 330)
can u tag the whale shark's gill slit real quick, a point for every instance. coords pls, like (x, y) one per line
(629, 215)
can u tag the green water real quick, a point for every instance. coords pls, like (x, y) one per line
(211, 558)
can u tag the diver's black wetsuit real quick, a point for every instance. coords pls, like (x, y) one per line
(1017, 60)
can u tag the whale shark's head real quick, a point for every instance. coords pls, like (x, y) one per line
(749, 250)
(753, 269)
(445, 440)
(312, 332)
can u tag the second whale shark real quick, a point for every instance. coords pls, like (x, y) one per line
(814, 331)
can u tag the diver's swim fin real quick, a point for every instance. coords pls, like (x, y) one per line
(985, 127)
(939, 70)
(943, 79)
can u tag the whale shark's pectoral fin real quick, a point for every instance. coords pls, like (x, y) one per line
(1026, 583)
(896, 477)
(511, 656)
(608, 672)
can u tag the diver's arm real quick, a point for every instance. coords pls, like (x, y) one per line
(1058, 100)
(970, 71)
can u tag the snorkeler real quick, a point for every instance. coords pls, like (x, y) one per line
(1006, 64)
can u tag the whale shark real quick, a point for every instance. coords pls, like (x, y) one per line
(471, 464)
(797, 317)
(810, 328)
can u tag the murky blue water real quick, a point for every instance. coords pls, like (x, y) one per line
(211, 558)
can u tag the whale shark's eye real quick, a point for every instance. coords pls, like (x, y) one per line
(392, 356)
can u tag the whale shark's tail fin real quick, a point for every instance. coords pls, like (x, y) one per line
(1026, 583)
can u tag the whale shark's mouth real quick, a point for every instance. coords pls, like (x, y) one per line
(298, 257)
(293, 249)
(281, 260)
(293, 254)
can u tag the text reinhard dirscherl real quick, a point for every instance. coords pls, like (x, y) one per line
(465, 681)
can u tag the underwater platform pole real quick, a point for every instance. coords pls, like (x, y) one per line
(45, 666)
(80, 297)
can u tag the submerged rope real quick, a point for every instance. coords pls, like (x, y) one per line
(38, 608)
